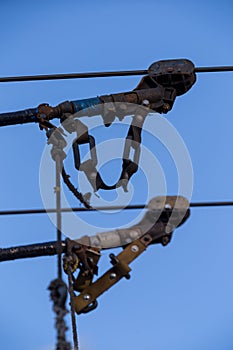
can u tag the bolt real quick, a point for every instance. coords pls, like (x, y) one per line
(86, 297)
(134, 248)
(133, 234)
(111, 108)
(166, 107)
(139, 117)
(170, 69)
(112, 276)
(93, 175)
(165, 240)
(145, 102)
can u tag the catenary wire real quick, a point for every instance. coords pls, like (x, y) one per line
(101, 74)
(104, 208)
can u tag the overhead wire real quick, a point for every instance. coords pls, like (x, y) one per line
(106, 208)
(58, 214)
(86, 75)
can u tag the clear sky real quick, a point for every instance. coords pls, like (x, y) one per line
(180, 296)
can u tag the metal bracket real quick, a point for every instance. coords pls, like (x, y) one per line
(157, 229)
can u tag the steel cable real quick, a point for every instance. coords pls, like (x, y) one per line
(101, 74)
(104, 208)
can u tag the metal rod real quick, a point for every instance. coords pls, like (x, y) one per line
(31, 251)
(213, 69)
(58, 213)
(101, 74)
(128, 207)
(67, 210)
(211, 204)
(72, 76)
(72, 296)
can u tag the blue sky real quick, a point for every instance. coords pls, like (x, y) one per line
(180, 296)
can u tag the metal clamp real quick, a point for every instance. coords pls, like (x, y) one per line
(133, 140)
(163, 213)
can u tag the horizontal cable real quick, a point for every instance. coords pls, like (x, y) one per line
(72, 76)
(129, 207)
(211, 204)
(65, 210)
(102, 74)
(214, 69)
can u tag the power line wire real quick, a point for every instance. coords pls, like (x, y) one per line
(213, 69)
(101, 74)
(211, 204)
(104, 208)
(72, 76)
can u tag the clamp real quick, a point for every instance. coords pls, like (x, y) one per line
(157, 226)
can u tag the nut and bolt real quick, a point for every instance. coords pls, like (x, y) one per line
(165, 240)
(86, 297)
(112, 276)
(139, 117)
(166, 107)
(134, 234)
(134, 248)
(145, 103)
(93, 175)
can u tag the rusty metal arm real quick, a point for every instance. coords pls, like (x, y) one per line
(165, 80)
(31, 251)
(91, 107)
(87, 299)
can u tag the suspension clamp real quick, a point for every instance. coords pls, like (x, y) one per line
(163, 216)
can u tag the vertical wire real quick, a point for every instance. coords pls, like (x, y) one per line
(72, 295)
(58, 212)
